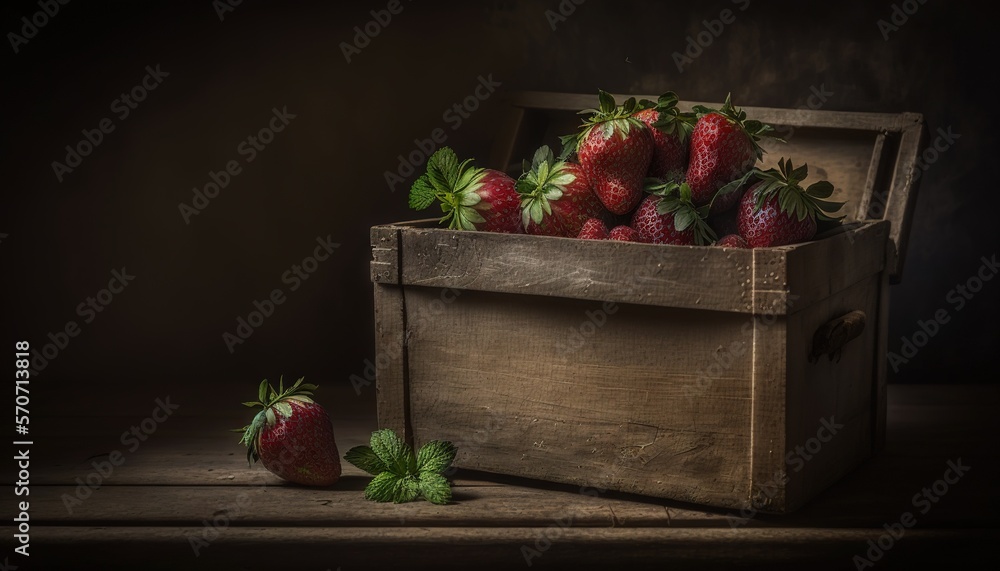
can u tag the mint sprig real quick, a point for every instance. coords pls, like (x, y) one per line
(400, 475)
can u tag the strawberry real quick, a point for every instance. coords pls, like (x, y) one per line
(614, 149)
(732, 241)
(593, 229)
(471, 198)
(777, 211)
(667, 216)
(724, 147)
(556, 198)
(671, 132)
(292, 435)
(624, 234)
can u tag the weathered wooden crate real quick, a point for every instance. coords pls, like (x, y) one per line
(732, 378)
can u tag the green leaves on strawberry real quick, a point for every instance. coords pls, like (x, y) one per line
(556, 198)
(615, 149)
(777, 210)
(674, 219)
(292, 435)
(471, 198)
(725, 145)
(671, 132)
(400, 475)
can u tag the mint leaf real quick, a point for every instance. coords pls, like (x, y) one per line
(435, 488)
(365, 458)
(392, 451)
(435, 456)
(401, 475)
(422, 193)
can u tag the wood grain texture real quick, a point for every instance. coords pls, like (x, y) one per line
(391, 360)
(902, 197)
(616, 396)
(622, 272)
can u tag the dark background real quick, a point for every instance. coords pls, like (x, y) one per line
(324, 175)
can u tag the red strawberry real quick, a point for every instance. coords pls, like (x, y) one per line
(593, 229)
(724, 147)
(471, 198)
(671, 132)
(732, 241)
(624, 234)
(615, 150)
(556, 198)
(292, 436)
(778, 211)
(667, 216)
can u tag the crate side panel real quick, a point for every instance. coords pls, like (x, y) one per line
(623, 272)
(830, 423)
(633, 398)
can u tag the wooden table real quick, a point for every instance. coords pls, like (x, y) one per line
(185, 499)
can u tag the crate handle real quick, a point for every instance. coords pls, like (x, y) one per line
(831, 337)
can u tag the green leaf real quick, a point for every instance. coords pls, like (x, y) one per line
(821, 189)
(435, 456)
(422, 193)
(607, 101)
(435, 488)
(262, 391)
(365, 458)
(382, 488)
(391, 450)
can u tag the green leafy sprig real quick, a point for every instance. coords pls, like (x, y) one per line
(400, 475)
(452, 183)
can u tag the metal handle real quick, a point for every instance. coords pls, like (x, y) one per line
(831, 337)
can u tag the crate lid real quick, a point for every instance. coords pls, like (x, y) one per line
(870, 158)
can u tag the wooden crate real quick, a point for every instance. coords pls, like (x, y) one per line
(747, 379)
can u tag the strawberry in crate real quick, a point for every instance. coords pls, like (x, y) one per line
(556, 197)
(615, 149)
(471, 198)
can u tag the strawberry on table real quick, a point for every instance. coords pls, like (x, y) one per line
(614, 149)
(777, 211)
(471, 198)
(724, 147)
(671, 132)
(556, 198)
(593, 229)
(668, 216)
(292, 435)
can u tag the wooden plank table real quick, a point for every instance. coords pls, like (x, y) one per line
(185, 499)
